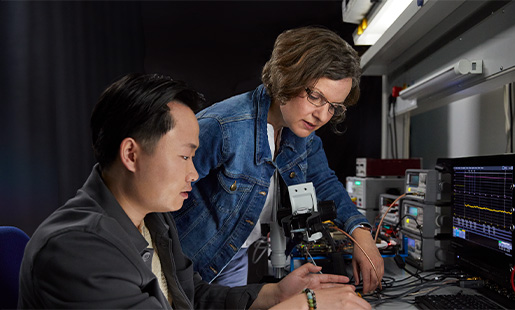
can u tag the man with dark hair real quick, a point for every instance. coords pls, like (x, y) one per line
(115, 245)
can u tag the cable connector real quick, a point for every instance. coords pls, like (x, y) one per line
(414, 194)
(472, 283)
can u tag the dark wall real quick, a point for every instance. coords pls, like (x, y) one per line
(220, 48)
(57, 57)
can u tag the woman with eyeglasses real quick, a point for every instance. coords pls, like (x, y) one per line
(249, 141)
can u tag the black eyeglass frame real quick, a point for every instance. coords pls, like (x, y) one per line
(334, 108)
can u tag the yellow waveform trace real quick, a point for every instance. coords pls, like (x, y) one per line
(487, 209)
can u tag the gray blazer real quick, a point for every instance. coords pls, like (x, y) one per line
(88, 254)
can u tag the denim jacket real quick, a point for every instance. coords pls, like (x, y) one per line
(234, 163)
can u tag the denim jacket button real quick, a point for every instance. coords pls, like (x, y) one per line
(292, 174)
(233, 186)
(262, 193)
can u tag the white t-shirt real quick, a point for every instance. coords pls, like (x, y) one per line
(271, 199)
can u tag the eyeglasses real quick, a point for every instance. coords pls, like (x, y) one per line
(318, 100)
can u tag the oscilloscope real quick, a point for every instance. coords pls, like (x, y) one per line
(482, 218)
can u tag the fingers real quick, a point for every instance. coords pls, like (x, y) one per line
(306, 269)
(367, 280)
(330, 285)
(367, 274)
(342, 297)
(313, 271)
(362, 269)
(317, 281)
(311, 268)
(331, 278)
(355, 271)
(373, 280)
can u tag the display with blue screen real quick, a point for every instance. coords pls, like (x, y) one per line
(482, 215)
(413, 211)
(483, 205)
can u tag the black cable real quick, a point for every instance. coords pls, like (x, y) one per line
(416, 275)
(437, 276)
(416, 282)
(416, 288)
(388, 281)
(419, 229)
(410, 277)
(329, 238)
(413, 287)
(391, 137)
(390, 112)
(413, 282)
(394, 127)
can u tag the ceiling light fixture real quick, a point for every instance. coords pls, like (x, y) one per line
(380, 18)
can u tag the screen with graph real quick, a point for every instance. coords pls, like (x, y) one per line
(482, 213)
(483, 204)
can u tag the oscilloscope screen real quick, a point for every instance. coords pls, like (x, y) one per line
(483, 205)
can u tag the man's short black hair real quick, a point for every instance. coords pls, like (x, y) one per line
(136, 106)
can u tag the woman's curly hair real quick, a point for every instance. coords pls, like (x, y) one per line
(302, 56)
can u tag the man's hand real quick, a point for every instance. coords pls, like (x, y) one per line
(360, 263)
(341, 297)
(307, 276)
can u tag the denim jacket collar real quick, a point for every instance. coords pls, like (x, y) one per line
(262, 102)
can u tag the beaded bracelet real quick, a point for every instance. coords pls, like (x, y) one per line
(312, 301)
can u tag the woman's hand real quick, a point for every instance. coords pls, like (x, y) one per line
(360, 263)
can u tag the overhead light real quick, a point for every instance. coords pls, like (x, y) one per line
(447, 78)
(382, 16)
(353, 11)
(364, 23)
(360, 30)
